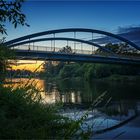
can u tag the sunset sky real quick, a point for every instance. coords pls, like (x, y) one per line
(103, 15)
(29, 65)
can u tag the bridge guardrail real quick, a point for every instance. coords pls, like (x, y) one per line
(74, 51)
(51, 49)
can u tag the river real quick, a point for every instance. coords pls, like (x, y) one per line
(121, 98)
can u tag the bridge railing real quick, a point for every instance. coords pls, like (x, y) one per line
(73, 51)
(51, 49)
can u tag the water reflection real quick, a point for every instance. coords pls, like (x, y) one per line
(19, 82)
(78, 95)
(47, 97)
(79, 91)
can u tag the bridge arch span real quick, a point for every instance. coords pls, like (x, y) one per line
(14, 41)
(63, 39)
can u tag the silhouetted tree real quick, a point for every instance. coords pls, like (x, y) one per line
(11, 11)
(122, 48)
(66, 49)
(5, 54)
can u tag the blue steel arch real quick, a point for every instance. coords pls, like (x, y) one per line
(64, 39)
(72, 30)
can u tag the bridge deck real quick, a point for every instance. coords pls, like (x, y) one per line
(57, 56)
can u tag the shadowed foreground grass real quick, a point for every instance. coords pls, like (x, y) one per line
(23, 116)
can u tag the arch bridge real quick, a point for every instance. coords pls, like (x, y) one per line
(75, 44)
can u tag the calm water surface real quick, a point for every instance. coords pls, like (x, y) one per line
(81, 92)
(79, 95)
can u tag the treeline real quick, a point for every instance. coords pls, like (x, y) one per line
(21, 73)
(88, 71)
(120, 49)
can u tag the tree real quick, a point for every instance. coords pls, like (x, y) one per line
(5, 54)
(11, 11)
(120, 48)
(66, 49)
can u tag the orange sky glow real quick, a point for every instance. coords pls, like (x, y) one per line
(28, 65)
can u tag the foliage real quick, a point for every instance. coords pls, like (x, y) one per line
(66, 49)
(119, 48)
(51, 69)
(5, 54)
(90, 71)
(70, 70)
(24, 116)
(11, 11)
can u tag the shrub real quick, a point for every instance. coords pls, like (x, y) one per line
(23, 116)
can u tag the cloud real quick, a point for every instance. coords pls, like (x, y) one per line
(128, 29)
(131, 33)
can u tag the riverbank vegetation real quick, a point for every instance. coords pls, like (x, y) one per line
(90, 72)
(24, 116)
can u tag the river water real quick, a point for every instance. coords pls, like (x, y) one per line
(121, 98)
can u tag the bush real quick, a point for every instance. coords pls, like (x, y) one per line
(23, 116)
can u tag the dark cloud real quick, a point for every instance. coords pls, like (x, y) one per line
(128, 29)
(130, 33)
